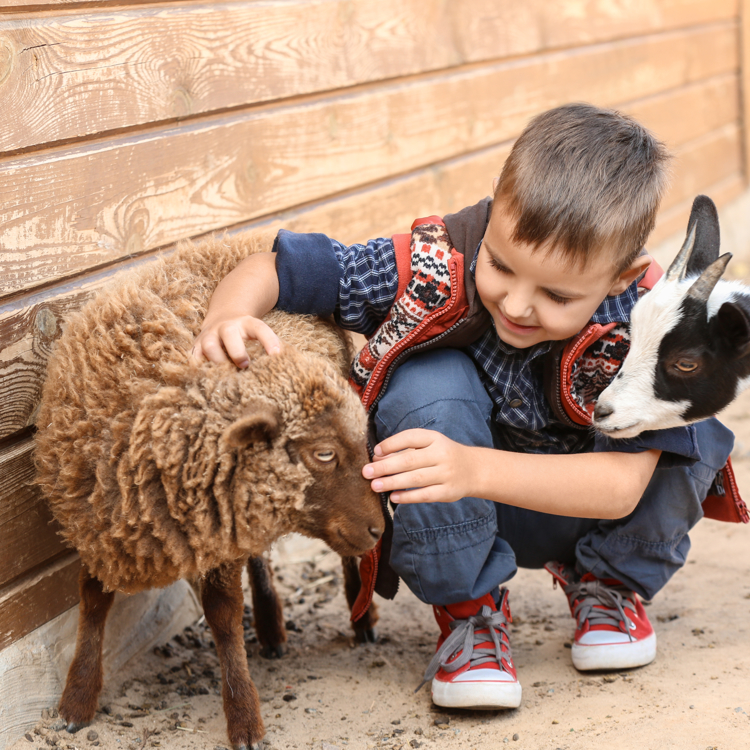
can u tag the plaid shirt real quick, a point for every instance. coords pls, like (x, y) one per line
(513, 377)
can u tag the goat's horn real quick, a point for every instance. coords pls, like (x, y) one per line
(678, 267)
(705, 283)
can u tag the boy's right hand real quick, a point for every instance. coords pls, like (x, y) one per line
(227, 337)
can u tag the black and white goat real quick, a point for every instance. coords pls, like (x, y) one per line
(690, 341)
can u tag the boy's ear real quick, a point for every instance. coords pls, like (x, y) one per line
(625, 278)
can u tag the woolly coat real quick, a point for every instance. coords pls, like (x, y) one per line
(132, 447)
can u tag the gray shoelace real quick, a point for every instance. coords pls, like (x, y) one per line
(600, 604)
(463, 638)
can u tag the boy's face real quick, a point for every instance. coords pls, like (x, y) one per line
(540, 297)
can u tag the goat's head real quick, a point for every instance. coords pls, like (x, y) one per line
(690, 338)
(314, 434)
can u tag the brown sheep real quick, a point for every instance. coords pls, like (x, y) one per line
(158, 468)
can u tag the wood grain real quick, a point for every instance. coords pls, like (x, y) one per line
(38, 597)
(28, 535)
(76, 208)
(674, 220)
(73, 75)
(745, 81)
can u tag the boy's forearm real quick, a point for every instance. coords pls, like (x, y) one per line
(584, 485)
(251, 288)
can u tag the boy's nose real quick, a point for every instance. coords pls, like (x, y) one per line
(517, 306)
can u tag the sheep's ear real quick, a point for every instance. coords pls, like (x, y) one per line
(262, 424)
(707, 238)
(733, 327)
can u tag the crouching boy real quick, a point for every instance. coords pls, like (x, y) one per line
(472, 321)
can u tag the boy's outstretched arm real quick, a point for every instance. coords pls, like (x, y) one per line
(584, 485)
(242, 297)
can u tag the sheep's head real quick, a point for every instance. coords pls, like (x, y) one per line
(309, 436)
(689, 338)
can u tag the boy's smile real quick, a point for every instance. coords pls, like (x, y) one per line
(541, 296)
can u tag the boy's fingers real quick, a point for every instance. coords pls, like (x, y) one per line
(257, 329)
(416, 438)
(234, 343)
(403, 481)
(211, 349)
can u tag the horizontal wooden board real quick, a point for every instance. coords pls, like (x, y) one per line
(682, 115)
(28, 535)
(71, 209)
(704, 161)
(674, 220)
(745, 72)
(73, 75)
(37, 598)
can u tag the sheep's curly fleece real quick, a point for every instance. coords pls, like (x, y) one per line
(130, 449)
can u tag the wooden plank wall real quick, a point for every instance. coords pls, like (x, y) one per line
(126, 128)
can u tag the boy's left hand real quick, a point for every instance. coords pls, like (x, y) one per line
(438, 468)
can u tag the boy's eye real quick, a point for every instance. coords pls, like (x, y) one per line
(497, 265)
(558, 299)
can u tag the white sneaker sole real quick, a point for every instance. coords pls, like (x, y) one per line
(480, 695)
(615, 655)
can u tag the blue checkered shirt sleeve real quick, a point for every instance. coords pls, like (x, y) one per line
(367, 286)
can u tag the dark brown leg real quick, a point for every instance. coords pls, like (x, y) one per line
(84, 683)
(267, 610)
(221, 593)
(364, 628)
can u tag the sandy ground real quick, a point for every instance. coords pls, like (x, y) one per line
(330, 693)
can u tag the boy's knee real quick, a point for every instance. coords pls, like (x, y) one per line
(439, 390)
(450, 552)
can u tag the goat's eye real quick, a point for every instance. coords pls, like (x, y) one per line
(324, 456)
(686, 365)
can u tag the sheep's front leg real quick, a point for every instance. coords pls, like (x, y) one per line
(221, 593)
(364, 628)
(267, 609)
(85, 676)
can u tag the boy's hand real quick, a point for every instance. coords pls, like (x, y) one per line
(439, 468)
(228, 337)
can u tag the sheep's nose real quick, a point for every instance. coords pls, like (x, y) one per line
(375, 532)
(603, 410)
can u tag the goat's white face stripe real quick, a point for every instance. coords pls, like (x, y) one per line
(631, 394)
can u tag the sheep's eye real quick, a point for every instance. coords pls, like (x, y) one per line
(686, 365)
(324, 456)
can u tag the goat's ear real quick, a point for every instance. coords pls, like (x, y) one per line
(733, 327)
(261, 424)
(707, 237)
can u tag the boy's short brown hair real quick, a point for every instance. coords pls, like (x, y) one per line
(583, 180)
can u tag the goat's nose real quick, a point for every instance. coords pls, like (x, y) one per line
(375, 532)
(603, 410)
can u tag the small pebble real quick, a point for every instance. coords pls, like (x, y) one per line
(692, 706)
(311, 710)
(396, 722)
(516, 737)
(289, 697)
(92, 735)
(29, 737)
(555, 721)
(441, 720)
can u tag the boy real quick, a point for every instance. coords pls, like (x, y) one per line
(486, 472)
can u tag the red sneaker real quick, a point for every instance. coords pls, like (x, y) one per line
(612, 627)
(473, 665)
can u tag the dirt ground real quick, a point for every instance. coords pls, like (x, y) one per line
(328, 693)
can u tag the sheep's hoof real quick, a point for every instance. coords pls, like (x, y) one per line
(273, 652)
(74, 726)
(370, 635)
(254, 746)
